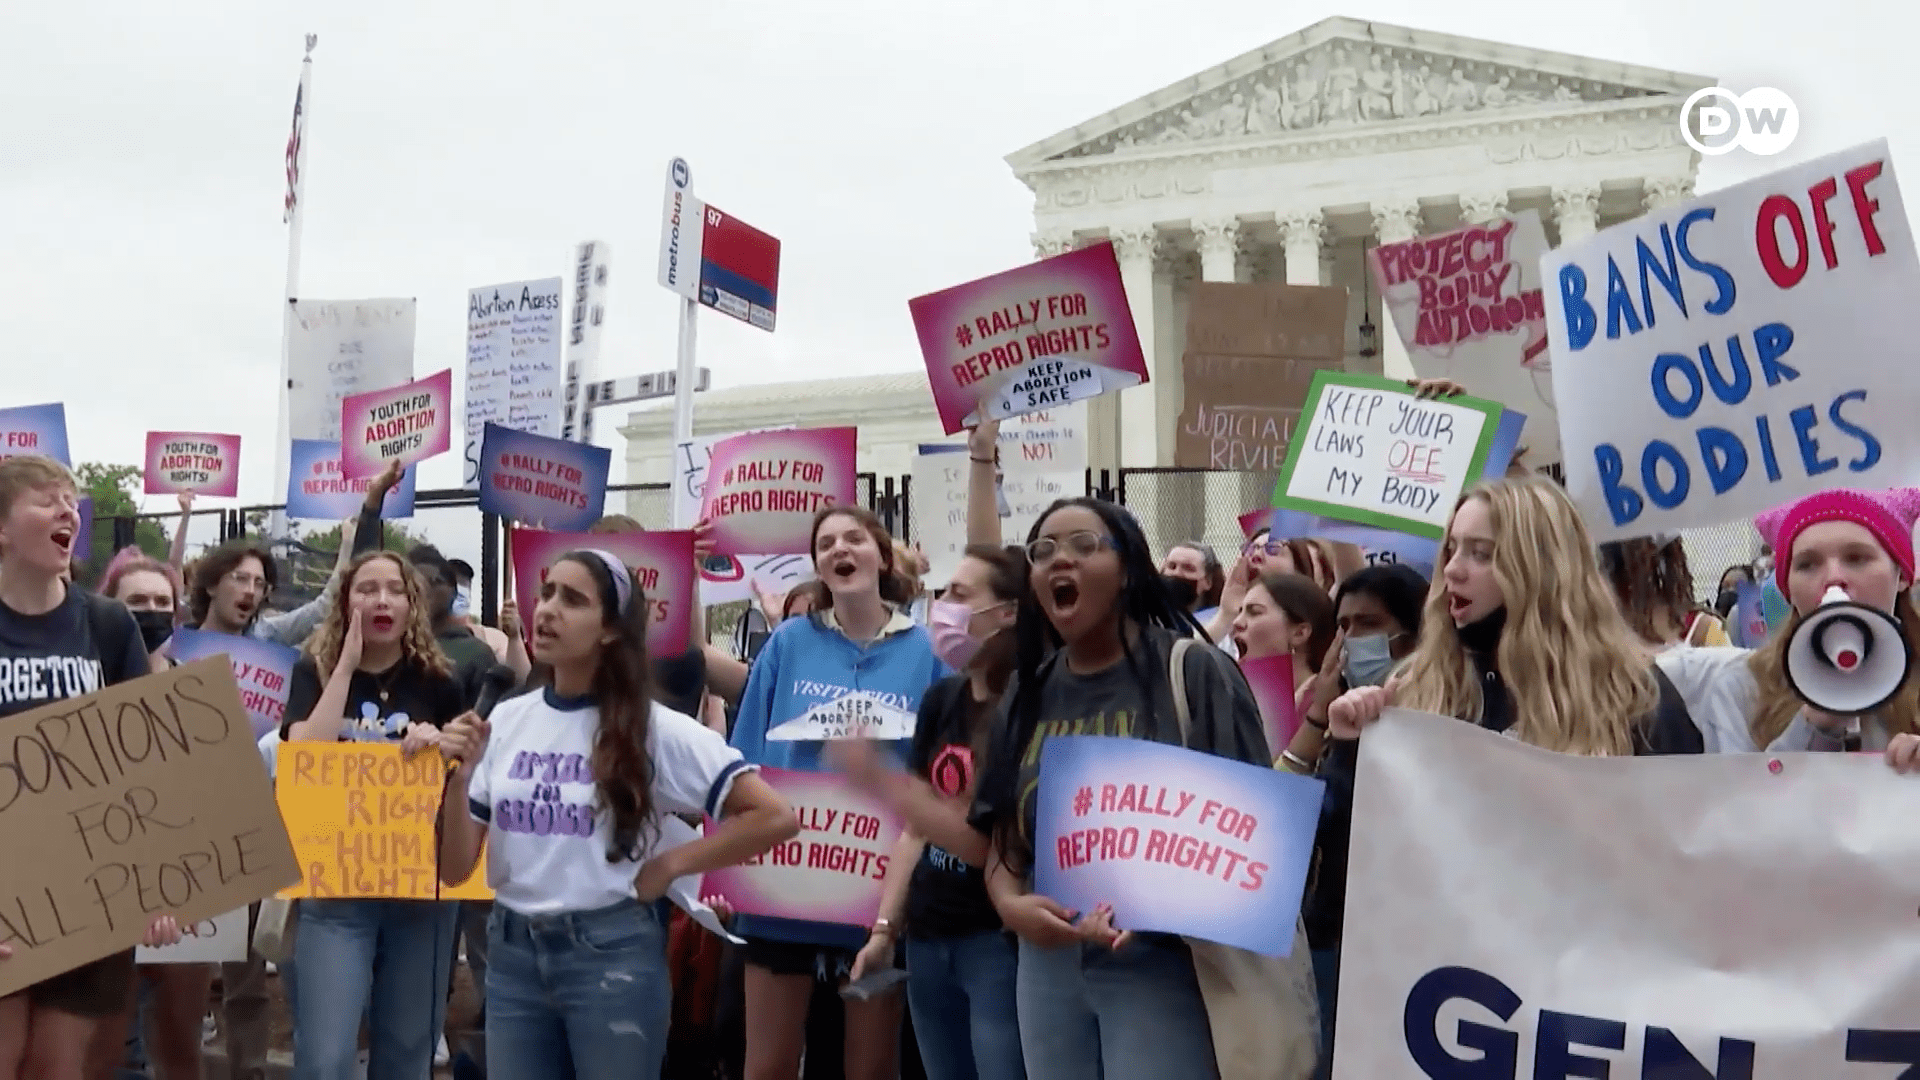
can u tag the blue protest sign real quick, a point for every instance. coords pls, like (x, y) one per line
(317, 489)
(552, 484)
(263, 670)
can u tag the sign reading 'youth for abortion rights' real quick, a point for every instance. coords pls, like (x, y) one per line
(261, 669)
(549, 483)
(1740, 350)
(199, 462)
(35, 429)
(662, 561)
(764, 488)
(1371, 452)
(1176, 841)
(316, 488)
(832, 872)
(1036, 337)
(407, 423)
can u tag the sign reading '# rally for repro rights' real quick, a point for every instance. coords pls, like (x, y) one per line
(406, 423)
(35, 429)
(663, 562)
(858, 715)
(1738, 351)
(832, 872)
(317, 490)
(1271, 679)
(550, 483)
(1176, 841)
(1031, 338)
(261, 669)
(204, 464)
(143, 799)
(1371, 452)
(764, 488)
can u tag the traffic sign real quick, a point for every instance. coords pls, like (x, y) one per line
(657, 384)
(715, 259)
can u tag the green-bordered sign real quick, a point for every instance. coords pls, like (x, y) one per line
(1371, 452)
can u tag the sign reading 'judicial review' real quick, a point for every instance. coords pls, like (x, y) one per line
(143, 799)
(1739, 351)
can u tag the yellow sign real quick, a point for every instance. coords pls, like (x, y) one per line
(362, 821)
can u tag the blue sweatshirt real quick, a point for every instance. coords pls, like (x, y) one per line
(808, 662)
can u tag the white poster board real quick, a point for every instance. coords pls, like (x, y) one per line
(1043, 457)
(339, 348)
(513, 363)
(220, 940)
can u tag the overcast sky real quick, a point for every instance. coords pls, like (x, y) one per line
(143, 258)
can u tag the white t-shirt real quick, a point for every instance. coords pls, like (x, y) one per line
(534, 790)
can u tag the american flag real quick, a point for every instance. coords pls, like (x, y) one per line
(293, 154)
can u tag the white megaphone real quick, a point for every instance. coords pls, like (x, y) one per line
(1846, 658)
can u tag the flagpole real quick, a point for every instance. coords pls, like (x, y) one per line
(295, 217)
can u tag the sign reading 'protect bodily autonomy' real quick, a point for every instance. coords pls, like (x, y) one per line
(1738, 351)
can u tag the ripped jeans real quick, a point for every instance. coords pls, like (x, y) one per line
(582, 995)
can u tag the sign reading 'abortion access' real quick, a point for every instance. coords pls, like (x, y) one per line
(763, 488)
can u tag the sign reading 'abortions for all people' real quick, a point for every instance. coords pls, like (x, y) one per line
(143, 799)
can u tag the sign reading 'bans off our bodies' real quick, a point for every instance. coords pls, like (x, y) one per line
(763, 488)
(549, 483)
(202, 463)
(1176, 841)
(1738, 351)
(832, 872)
(1371, 452)
(362, 817)
(407, 423)
(1036, 337)
(143, 799)
(662, 561)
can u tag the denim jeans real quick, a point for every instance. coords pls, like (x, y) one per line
(1326, 980)
(386, 960)
(1091, 1013)
(581, 995)
(961, 991)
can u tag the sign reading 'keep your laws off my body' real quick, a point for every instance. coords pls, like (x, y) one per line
(144, 799)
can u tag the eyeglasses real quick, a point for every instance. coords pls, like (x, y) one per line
(248, 581)
(1267, 547)
(1081, 545)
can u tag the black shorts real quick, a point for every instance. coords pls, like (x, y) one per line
(823, 962)
(102, 988)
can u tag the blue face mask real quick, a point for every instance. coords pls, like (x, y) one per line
(1369, 659)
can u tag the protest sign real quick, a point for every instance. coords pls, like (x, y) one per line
(832, 872)
(1252, 352)
(202, 463)
(1468, 306)
(219, 940)
(857, 715)
(725, 579)
(83, 544)
(548, 483)
(261, 669)
(1512, 912)
(407, 423)
(316, 489)
(1043, 457)
(143, 799)
(1210, 847)
(1271, 678)
(764, 488)
(1733, 353)
(338, 348)
(661, 561)
(35, 429)
(1373, 453)
(1035, 337)
(513, 363)
(362, 817)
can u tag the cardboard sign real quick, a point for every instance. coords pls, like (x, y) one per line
(407, 423)
(316, 488)
(362, 816)
(1373, 453)
(202, 463)
(219, 940)
(513, 363)
(35, 429)
(261, 669)
(1252, 352)
(339, 348)
(764, 488)
(1271, 678)
(1035, 337)
(858, 715)
(1176, 841)
(144, 799)
(832, 872)
(547, 483)
(1468, 306)
(1734, 353)
(662, 561)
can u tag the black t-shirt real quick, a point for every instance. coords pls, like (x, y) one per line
(680, 682)
(472, 658)
(947, 898)
(85, 643)
(379, 706)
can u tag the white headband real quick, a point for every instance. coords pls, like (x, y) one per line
(622, 577)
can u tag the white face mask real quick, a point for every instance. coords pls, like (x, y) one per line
(460, 607)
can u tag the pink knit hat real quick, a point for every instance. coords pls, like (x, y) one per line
(1888, 515)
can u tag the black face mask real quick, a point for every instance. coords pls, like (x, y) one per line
(1725, 602)
(155, 627)
(1183, 591)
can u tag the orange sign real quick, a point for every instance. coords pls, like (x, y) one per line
(362, 817)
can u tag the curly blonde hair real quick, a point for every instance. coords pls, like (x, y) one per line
(417, 644)
(1580, 679)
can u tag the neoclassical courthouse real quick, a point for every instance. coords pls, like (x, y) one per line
(1283, 164)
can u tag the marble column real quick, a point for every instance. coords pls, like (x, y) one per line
(1664, 191)
(1482, 209)
(1393, 223)
(1219, 241)
(1576, 210)
(1139, 414)
(1301, 232)
(1102, 414)
(1052, 242)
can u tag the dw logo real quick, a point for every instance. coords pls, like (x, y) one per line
(1717, 121)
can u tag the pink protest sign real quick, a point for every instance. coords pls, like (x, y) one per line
(193, 461)
(763, 488)
(407, 423)
(1036, 337)
(661, 561)
(1271, 678)
(1468, 306)
(832, 872)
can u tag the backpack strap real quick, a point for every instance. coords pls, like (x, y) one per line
(1177, 675)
